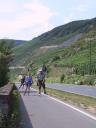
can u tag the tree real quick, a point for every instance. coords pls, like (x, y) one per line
(5, 58)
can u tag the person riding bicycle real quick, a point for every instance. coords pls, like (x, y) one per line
(41, 80)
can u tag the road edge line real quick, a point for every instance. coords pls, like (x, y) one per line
(76, 109)
(73, 107)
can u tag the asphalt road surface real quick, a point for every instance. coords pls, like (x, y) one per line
(41, 111)
(77, 89)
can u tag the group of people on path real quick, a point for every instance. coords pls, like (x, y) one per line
(27, 81)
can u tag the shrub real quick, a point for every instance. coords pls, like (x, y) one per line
(5, 58)
(89, 80)
(62, 78)
(55, 58)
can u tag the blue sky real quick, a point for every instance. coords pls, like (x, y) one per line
(26, 19)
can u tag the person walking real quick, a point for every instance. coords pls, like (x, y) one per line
(22, 81)
(41, 80)
(28, 83)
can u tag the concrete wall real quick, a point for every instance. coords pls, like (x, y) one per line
(5, 98)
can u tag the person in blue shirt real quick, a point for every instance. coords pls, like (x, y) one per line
(28, 83)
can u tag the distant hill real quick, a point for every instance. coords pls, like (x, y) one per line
(19, 42)
(57, 34)
(69, 37)
(14, 42)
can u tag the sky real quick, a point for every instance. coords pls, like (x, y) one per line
(26, 19)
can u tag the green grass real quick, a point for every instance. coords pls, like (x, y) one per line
(80, 57)
(77, 99)
(87, 103)
(53, 79)
(84, 102)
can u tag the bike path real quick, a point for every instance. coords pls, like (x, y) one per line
(41, 111)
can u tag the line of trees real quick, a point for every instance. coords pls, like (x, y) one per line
(5, 58)
(85, 68)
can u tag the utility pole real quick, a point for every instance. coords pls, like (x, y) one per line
(90, 57)
(90, 41)
(90, 52)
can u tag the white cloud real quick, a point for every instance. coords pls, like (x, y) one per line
(32, 15)
(5, 9)
(8, 6)
(80, 9)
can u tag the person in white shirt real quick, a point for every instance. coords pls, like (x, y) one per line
(41, 80)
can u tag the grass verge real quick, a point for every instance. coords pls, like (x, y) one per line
(84, 102)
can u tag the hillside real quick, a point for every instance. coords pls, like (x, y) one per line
(72, 49)
(31, 51)
(19, 42)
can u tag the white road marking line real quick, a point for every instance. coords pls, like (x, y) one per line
(76, 109)
(81, 111)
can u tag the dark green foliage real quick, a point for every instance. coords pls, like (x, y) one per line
(55, 58)
(3, 70)
(90, 80)
(62, 78)
(85, 68)
(5, 58)
(44, 68)
(47, 70)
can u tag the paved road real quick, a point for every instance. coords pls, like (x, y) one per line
(78, 89)
(40, 111)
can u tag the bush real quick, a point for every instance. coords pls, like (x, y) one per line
(81, 82)
(55, 58)
(62, 78)
(89, 80)
(3, 70)
(5, 58)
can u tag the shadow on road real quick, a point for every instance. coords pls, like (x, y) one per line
(25, 120)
